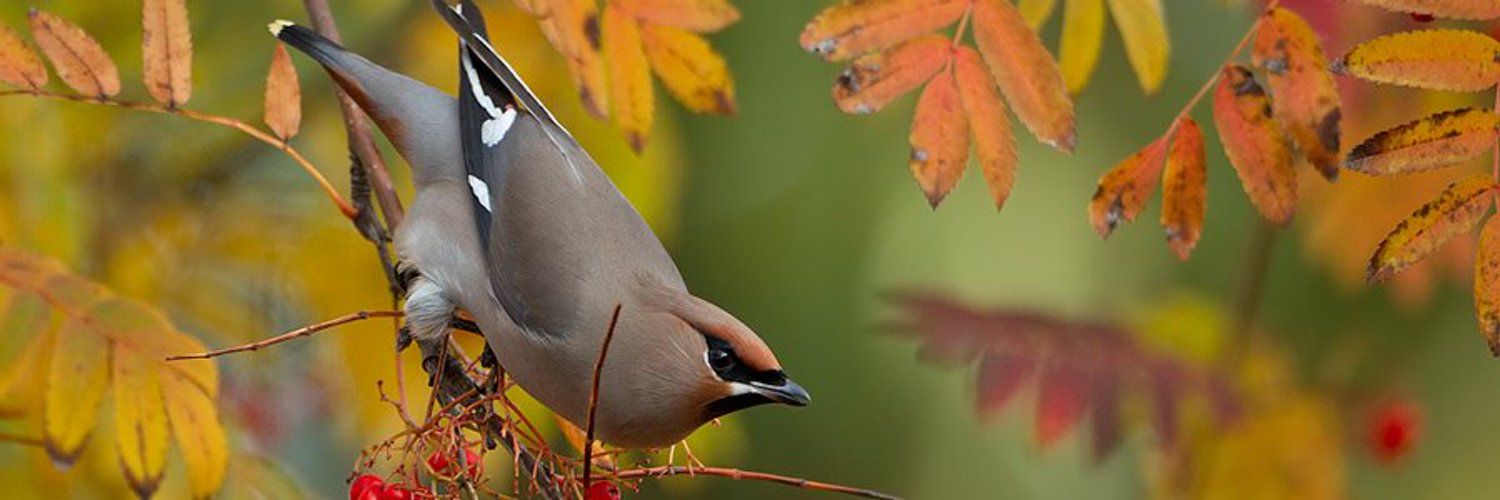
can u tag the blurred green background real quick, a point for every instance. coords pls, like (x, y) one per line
(798, 218)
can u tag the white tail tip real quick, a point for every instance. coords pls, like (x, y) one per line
(277, 25)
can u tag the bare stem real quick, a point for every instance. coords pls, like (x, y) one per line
(300, 332)
(744, 475)
(588, 439)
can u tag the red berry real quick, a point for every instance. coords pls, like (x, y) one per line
(395, 492)
(365, 487)
(1421, 18)
(602, 490)
(439, 463)
(473, 459)
(1394, 428)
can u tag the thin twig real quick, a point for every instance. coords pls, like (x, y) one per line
(343, 205)
(300, 332)
(737, 474)
(1252, 284)
(588, 434)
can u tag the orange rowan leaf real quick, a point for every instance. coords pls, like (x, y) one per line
(1306, 103)
(1436, 141)
(1143, 28)
(1456, 210)
(283, 106)
(1255, 144)
(19, 66)
(630, 97)
(876, 79)
(693, 15)
(1026, 72)
(988, 123)
(572, 26)
(690, 69)
(1452, 60)
(1184, 191)
(167, 50)
(79, 60)
(939, 138)
(1487, 284)
(1123, 191)
(859, 26)
(1082, 37)
(1450, 9)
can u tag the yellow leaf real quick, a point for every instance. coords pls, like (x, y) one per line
(1026, 72)
(283, 105)
(1487, 284)
(1457, 210)
(988, 123)
(1306, 103)
(876, 79)
(630, 95)
(26, 323)
(1451, 9)
(1255, 144)
(19, 66)
(1452, 60)
(109, 341)
(200, 436)
(1436, 141)
(939, 139)
(1082, 36)
(1143, 27)
(79, 60)
(140, 418)
(1184, 192)
(693, 15)
(75, 385)
(1036, 12)
(167, 50)
(856, 27)
(1123, 191)
(690, 69)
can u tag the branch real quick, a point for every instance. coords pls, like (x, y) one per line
(344, 206)
(300, 332)
(588, 440)
(744, 475)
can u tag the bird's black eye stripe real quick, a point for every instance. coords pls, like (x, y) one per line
(727, 365)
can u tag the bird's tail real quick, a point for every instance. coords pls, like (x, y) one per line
(397, 103)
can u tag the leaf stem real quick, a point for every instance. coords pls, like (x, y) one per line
(1219, 72)
(333, 195)
(300, 332)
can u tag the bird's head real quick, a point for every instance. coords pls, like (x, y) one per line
(694, 363)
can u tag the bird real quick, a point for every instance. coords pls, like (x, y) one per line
(516, 224)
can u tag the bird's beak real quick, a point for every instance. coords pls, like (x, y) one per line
(788, 393)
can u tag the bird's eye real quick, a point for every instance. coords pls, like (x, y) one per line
(720, 359)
